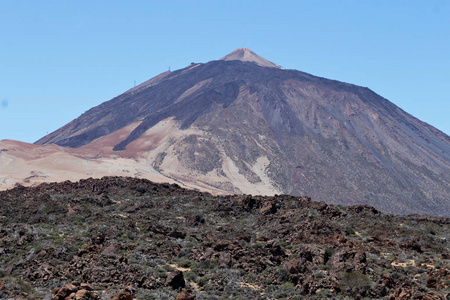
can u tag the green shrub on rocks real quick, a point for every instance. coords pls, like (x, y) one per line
(350, 280)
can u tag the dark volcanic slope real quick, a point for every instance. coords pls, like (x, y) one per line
(335, 141)
(95, 237)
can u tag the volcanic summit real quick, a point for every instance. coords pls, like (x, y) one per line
(245, 54)
(243, 124)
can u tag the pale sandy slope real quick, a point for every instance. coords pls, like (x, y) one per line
(29, 164)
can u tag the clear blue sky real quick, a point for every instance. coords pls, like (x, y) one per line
(60, 58)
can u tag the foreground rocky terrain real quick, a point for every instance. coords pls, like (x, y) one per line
(119, 238)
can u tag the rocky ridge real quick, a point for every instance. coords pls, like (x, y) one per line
(119, 238)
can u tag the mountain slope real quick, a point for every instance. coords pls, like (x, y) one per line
(244, 125)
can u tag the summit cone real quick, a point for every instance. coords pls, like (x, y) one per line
(245, 54)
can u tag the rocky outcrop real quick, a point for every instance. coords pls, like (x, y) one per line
(168, 242)
(126, 294)
(75, 291)
(176, 280)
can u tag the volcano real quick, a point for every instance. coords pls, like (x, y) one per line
(243, 124)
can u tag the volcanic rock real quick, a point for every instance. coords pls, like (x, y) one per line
(186, 295)
(225, 260)
(175, 279)
(306, 247)
(126, 294)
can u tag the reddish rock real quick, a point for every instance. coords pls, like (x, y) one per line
(82, 294)
(408, 293)
(186, 295)
(71, 287)
(71, 297)
(64, 292)
(268, 208)
(126, 294)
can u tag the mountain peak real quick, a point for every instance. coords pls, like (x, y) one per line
(236, 127)
(245, 54)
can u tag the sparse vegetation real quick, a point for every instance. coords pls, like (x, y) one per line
(225, 247)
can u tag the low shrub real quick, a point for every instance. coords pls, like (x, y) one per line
(350, 280)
